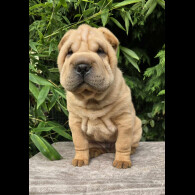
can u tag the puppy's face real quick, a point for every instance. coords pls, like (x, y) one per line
(87, 59)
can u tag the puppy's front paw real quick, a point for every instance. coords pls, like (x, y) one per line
(80, 162)
(122, 164)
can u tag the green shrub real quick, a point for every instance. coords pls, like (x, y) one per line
(139, 26)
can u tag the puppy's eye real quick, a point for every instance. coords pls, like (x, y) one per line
(70, 52)
(100, 51)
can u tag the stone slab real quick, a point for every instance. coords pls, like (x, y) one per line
(145, 177)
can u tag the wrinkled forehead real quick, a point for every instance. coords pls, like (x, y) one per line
(87, 38)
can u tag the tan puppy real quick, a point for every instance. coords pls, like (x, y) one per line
(101, 113)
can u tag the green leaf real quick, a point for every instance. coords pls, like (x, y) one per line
(151, 9)
(52, 102)
(104, 17)
(41, 37)
(132, 61)
(144, 122)
(77, 15)
(162, 92)
(31, 67)
(36, 6)
(145, 128)
(161, 3)
(61, 131)
(87, 1)
(66, 19)
(50, 48)
(33, 89)
(33, 46)
(39, 80)
(129, 17)
(88, 11)
(40, 129)
(127, 23)
(41, 124)
(53, 70)
(53, 124)
(117, 23)
(118, 52)
(63, 108)
(147, 5)
(123, 3)
(45, 148)
(63, 3)
(42, 95)
(61, 92)
(130, 52)
(100, 3)
(149, 115)
(152, 123)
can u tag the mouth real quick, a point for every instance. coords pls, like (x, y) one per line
(84, 88)
(87, 84)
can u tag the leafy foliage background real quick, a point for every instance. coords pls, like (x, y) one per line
(139, 26)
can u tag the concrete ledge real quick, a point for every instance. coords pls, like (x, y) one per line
(146, 176)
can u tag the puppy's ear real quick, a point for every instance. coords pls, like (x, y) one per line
(110, 37)
(64, 38)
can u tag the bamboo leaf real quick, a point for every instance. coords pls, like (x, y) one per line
(63, 3)
(152, 123)
(40, 129)
(53, 70)
(162, 92)
(52, 102)
(104, 17)
(147, 5)
(117, 23)
(130, 52)
(118, 52)
(66, 19)
(45, 148)
(33, 89)
(151, 9)
(61, 92)
(77, 15)
(123, 3)
(161, 3)
(36, 6)
(132, 61)
(42, 95)
(126, 23)
(33, 46)
(50, 48)
(88, 11)
(145, 128)
(39, 80)
(63, 108)
(61, 131)
(129, 17)
(144, 122)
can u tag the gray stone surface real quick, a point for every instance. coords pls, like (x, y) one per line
(146, 176)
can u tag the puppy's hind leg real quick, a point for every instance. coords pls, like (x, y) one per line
(137, 133)
(95, 149)
(98, 148)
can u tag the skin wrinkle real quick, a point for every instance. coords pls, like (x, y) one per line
(101, 111)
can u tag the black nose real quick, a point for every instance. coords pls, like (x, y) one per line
(83, 69)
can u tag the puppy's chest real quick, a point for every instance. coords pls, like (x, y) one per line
(99, 129)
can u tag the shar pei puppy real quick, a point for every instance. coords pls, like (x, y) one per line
(102, 117)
